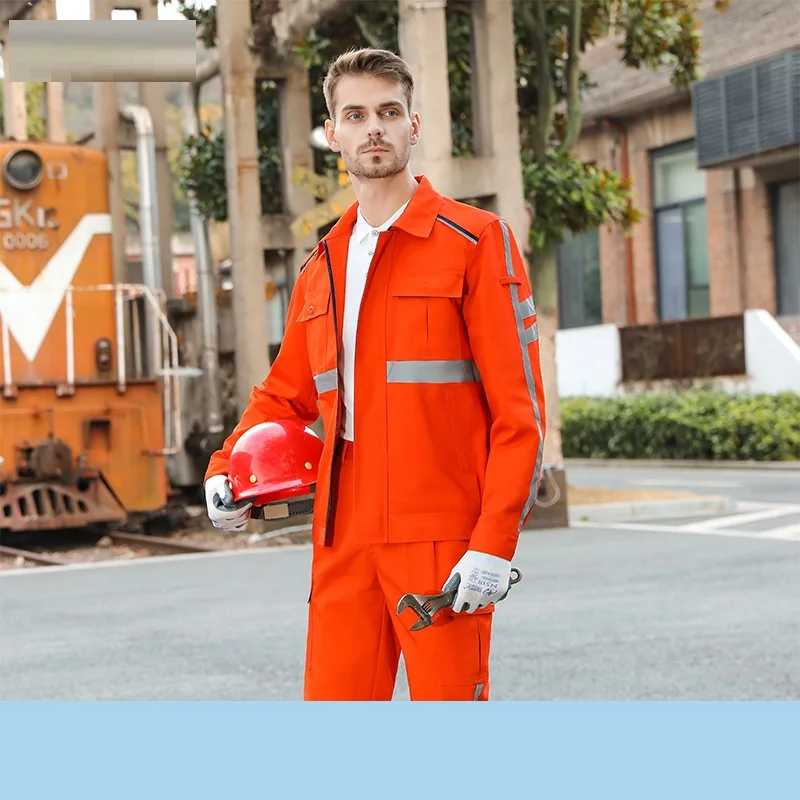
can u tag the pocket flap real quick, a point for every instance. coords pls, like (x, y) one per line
(316, 304)
(429, 284)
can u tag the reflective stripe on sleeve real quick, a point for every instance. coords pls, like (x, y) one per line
(327, 381)
(523, 309)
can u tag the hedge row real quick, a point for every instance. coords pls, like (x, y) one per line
(702, 425)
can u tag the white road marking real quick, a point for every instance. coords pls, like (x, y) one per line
(788, 532)
(775, 510)
(784, 534)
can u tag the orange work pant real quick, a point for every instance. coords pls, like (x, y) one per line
(354, 636)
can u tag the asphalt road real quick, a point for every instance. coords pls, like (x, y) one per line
(601, 614)
(763, 485)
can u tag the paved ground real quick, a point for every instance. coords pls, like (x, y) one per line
(602, 613)
(767, 502)
(761, 485)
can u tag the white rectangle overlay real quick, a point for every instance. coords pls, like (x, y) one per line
(99, 51)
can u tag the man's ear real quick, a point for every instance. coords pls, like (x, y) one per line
(330, 135)
(416, 126)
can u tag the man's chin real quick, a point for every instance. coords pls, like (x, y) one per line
(371, 172)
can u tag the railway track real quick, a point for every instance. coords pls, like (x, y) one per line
(154, 545)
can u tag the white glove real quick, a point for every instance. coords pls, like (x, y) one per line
(484, 580)
(222, 516)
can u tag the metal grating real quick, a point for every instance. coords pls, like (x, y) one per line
(748, 111)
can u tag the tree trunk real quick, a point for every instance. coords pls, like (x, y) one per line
(545, 294)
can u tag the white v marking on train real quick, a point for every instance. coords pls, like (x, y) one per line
(29, 310)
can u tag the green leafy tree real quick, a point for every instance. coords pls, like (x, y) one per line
(563, 194)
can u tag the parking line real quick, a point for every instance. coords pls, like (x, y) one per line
(727, 521)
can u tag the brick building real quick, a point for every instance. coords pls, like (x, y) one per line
(716, 171)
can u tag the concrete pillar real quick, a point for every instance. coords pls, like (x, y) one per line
(724, 242)
(422, 37)
(238, 68)
(295, 132)
(495, 108)
(53, 92)
(107, 139)
(15, 112)
(758, 245)
(54, 101)
(152, 98)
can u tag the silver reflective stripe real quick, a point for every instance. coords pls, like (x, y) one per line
(327, 381)
(521, 313)
(478, 690)
(532, 333)
(528, 308)
(431, 372)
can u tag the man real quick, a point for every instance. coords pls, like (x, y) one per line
(412, 332)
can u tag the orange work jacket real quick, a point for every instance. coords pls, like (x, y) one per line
(449, 407)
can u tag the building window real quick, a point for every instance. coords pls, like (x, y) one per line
(786, 235)
(681, 241)
(579, 299)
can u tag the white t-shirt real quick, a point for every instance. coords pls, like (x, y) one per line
(363, 242)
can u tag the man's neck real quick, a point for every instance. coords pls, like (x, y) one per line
(379, 199)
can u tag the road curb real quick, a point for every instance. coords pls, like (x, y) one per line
(779, 466)
(650, 509)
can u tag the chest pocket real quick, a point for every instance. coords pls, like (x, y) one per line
(315, 316)
(427, 311)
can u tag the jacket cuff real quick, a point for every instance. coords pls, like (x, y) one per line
(496, 535)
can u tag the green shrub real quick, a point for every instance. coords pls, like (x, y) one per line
(702, 425)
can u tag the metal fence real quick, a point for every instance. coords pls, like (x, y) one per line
(708, 347)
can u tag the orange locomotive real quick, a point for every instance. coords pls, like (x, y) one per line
(84, 363)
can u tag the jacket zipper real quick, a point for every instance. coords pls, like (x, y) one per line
(338, 392)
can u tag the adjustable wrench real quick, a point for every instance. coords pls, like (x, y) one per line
(426, 606)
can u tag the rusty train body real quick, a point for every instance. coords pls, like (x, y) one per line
(89, 410)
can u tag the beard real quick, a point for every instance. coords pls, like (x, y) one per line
(369, 166)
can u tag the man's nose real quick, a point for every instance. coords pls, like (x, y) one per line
(375, 129)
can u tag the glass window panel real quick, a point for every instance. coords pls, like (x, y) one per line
(570, 285)
(579, 280)
(699, 302)
(671, 264)
(787, 247)
(592, 291)
(694, 218)
(676, 177)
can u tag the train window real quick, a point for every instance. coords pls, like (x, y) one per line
(23, 169)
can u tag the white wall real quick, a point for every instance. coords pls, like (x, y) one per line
(589, 361)
(771, 355)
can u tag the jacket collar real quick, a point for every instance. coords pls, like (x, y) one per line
(418, 218)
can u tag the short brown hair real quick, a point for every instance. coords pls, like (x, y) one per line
(367, 61)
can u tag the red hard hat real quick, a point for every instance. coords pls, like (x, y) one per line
(274, 465)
